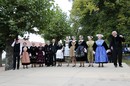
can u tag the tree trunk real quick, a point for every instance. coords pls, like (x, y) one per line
(0, 58)
(9, 56)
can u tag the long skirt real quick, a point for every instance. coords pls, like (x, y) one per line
(72, 51)
(40, 59)
(90, 55)
(101, 55)
(59, 55)
(25, 58)
(48, 60)
(33, 59)
(66, 51)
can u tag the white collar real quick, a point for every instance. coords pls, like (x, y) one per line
(80, 40)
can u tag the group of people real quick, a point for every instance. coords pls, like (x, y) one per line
(53, 54)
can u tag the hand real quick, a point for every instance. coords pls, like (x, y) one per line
(85, 50)
(108, 51)
(93, 52)
(121, 36)
(111, 48)
(20, 56)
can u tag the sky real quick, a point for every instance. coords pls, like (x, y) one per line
(65, 5)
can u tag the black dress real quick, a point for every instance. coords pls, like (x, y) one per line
(80, 54)
(33, 50)
(48, 57)
(40, 55)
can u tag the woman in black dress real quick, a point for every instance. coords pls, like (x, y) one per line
(33, 50)
(40, 55)
(80, 51)
(48, 57)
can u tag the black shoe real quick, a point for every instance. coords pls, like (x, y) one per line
(80, 66)
(115, 65)
(120, 66)
(89, 65)
(67, 65)
(58, 65)
(74, 66)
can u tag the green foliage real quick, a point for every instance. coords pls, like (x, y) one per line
(19, 16)
(102, 16)
(58, 27)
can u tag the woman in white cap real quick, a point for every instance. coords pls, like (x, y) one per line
(67, 51)
(59, 54)
(100, 51)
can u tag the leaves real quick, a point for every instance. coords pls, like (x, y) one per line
(19, 16)
(58, 27)
(101, 16)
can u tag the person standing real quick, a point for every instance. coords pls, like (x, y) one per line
(66, 51)
(25, 56)
(33, 50)
(48, 57)
(53, 50)
(16, 53)
(100, 49)
(80, 51)
(59, 54)
(90, 44)
(40, 55)
(72, 46)
(116, 47)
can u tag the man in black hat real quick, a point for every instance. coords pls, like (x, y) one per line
(16, 53)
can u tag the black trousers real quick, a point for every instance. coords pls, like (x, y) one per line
(117, 56)
(16, 59)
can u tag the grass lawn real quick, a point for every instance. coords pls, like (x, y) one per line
(127, 61)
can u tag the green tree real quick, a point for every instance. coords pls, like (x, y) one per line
(19, 16)
(102, 16)
(58, 27)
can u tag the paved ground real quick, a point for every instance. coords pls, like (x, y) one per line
(67, 76)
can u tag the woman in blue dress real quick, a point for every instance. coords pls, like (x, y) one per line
(100, 49)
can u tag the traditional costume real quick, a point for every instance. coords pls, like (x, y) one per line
(25, 56)
(40, 55)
